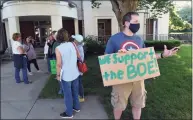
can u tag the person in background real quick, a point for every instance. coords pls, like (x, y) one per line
(78, 40)
(46, 49)
(19, 58)
(67, 73)
(31, 55)
(56, 44)
(50, 42)
(33, 41)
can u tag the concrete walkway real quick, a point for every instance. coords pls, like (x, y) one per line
(20, 101)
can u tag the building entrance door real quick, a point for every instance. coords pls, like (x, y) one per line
(42, 31)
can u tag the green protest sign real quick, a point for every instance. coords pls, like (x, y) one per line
(135, 65)
(53, 66)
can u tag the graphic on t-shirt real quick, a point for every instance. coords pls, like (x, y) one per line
(129, 45)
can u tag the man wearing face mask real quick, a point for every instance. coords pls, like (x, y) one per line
(122, 42)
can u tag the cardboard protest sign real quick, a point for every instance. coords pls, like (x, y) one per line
(135, 65)
(53, 66)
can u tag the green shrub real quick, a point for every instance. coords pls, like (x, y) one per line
(92, 46)
(159, 45)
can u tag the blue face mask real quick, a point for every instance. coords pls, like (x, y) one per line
(134, 27)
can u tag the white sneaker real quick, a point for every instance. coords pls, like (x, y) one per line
(76, 110)
(30, 73)
(39, 71)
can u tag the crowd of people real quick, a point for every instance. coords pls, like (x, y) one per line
(65, 50)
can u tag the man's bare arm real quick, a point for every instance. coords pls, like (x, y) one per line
(59, 63)
(158, 55)
(21, 50)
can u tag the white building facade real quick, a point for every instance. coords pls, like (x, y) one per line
(39, 18)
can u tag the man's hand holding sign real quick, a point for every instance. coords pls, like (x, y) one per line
(129, 66)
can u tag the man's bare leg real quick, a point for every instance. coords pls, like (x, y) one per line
(136, 113)
(117, 114)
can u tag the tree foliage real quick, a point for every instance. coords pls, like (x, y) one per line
(186, 13)
(95, 4)
(121, 7)
(176, 22)
(156, 7)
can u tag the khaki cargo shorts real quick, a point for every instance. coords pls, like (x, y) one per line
(135, 90)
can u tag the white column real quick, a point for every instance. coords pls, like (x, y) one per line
(7, 33)
(114, 26)
(95, 26)
(163, 27)
(76, 26)
(13, 26)
(140, 32)
(56, 22)
(88, 18)
(154, 29)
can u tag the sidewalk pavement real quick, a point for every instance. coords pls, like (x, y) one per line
(20, 101)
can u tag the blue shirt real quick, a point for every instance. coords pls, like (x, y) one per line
(81, 51)
(69, 61)
(122, 41)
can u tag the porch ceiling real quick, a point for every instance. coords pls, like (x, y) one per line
(35, 18)
(40, 18)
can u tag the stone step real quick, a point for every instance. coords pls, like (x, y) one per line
(40, 57)
(5, 57)
(41, 54)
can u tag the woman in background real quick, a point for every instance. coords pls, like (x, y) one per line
(56, 44)
(78, 40)
(31, 55)
(67, 73)
(50, 42)
(46, 49)
(33, 41)
(19, 58)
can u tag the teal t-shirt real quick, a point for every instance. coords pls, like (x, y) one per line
(56, 44)
(122, 41)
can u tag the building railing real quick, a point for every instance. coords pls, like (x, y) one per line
(184, 38)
